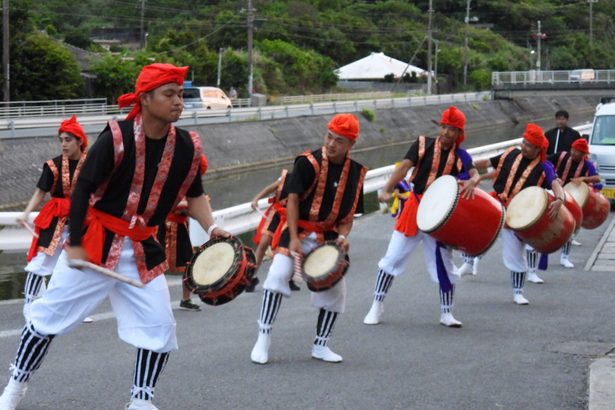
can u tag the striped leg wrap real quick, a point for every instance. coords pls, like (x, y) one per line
(324, 327)
(30, 354)
(566, 249)
(148, 367)
(468, 259)
(446, 300)
(383, 283)
(269, 310)
(32, 286)
(532, 260)
(518, 279)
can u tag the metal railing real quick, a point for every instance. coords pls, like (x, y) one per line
(559, 77)
(308, 99)
(12, 109)
(202, 117)
(236, 219)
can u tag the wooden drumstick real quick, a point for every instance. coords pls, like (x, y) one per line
(29, 229)
(258, 211)
(78, 263)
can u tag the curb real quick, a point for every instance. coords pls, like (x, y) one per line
(602, 384)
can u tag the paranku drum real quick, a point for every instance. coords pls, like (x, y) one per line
(594, 205)
(527, 215)
(220, 270)
(471, 226)
(324, 266)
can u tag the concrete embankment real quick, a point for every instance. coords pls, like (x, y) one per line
(245, 145)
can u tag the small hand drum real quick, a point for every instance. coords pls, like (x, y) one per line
(220, 270)
(324, 266)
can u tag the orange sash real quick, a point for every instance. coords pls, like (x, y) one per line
(56, 207)
(94, 238)
(406, 223)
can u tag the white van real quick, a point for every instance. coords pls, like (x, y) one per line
(582, 75)
(602, 146)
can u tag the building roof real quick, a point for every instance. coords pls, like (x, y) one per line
(374, 67)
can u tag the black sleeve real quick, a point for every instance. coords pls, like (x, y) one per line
(413, 153)
(196, 189)
(45, 182)
(575, 134)
(552, 158)
(495, 161)
(97, 167)
(301, 178)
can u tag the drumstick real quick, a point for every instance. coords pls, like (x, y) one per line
(258, 211)
(79, 263)
(29, 228)
(298, 270)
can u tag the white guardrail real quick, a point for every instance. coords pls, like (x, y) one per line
(241, 218)
(199, 117)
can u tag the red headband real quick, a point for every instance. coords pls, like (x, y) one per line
(455, 118)
(581, 145)
(151, 77)
(73, 127)
(346, 125)
(535, 136)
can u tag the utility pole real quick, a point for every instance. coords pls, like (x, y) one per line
(429, 38)
(538, 38)
(465, 45)
(142, 34)
(219, 66)
(591, 28)
(436, 65)
(5, 50)
(250, 34)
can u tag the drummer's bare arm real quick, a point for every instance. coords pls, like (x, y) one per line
(594, 179)
(268, 190)
(468, 186)
(399, 173)
(200, 209)
(35, 201)
(559, 198)
(292, 216)
(482, 164)
(488, 175)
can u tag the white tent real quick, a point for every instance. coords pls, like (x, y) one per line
(374, 67)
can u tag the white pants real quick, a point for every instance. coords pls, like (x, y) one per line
(281, 270)
(513, 251)
(401, 247)
(144, 316)
(43, 264)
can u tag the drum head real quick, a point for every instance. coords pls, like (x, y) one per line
(580, 192)
(213, 263)
(321, 261)
(527, 207)
(437, 203)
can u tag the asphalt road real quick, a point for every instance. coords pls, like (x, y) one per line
(505, 356)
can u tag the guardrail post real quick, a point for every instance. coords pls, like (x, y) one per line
(195, 118)
(259, 111)
(312, 108)
(12, 127)
(392, 102)
(286, 110)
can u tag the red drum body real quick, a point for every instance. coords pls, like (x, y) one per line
(471, 226)
(527, 215)
(575, 209)
(595, 206)
(324, 266)
(220, 270)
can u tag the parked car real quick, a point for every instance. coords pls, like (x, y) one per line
(582, 75)
(209, 98)
(602, 146)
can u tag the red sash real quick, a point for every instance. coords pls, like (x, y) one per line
(55, 207)
(177, 218)
(94, 238)
(406, 223)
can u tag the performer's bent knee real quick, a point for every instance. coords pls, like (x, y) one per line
(280, 272)
(333, 299)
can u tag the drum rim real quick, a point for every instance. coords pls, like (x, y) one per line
(450, 210)
(215, 286)
(540, 214)
(341, 256)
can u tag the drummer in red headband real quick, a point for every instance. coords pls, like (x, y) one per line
(576, 167)
(325, 190)
(430, 158)
(50, 225)
(515, 169)
(135, 174)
